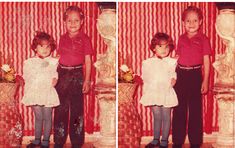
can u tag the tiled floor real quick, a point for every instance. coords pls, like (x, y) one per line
(205, 145)
(90, 145)
(86, 145)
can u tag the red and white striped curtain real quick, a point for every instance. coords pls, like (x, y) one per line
(20, 21)
(138, 22)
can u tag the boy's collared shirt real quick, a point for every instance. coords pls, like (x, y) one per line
(192, 50)
(73, 50)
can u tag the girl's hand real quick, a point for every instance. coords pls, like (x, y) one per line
(173, 81)
(54, 81)
(86, 87)
(204, 88)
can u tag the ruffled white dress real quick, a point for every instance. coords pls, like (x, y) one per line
(38, 74)
(157, 74)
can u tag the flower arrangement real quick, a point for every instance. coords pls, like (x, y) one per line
(7, 72)
(127, 75)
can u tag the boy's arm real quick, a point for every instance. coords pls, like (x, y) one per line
(205, 82)
(86, 84)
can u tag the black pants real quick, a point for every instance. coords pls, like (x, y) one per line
(188, 90)
(69, 89)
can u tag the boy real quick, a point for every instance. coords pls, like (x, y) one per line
(75, 51)
(193, 50)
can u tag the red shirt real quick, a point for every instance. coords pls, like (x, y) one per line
(73, 50)
(192, 50)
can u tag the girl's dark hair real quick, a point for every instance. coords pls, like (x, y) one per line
(192, 9)
(42, 36)
(73, 8)
(159, 37)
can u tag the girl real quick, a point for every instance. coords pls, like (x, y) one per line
(158, 73)
(75, 51)
(40, 78)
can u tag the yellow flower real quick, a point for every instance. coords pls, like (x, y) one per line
(6, 68)
(124, 68)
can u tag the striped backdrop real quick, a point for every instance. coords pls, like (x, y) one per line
(18, 23)
(137, 24)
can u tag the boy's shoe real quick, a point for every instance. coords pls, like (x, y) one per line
(163, 146)
(76, 146)
(43, 146)
(177, 146)
(194, 145)
(32, 145)
(58, 145)
(150, 145)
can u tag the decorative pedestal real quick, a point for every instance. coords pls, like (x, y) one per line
(224, 76)
(107, 105)
(129, 123)
(10, 119)
(226, 103)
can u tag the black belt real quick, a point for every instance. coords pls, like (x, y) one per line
(70, 67)
(189, 67)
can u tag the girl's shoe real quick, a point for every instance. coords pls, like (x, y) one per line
(32, 145)
(164, 144)
(150, 145)
(45, 143)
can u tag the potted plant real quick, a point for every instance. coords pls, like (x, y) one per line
(129, 123)
(11, 135)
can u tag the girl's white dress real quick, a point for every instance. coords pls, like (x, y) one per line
(38, 74)
(157, 74)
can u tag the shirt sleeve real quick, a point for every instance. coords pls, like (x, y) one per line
(59, 47)
(206, 46)
(87, 46)
(27, 71)
(178, 48)
(145, 72)
(173, 67)
(54, 63)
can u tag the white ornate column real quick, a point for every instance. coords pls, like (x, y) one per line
(225, 138)
(224, 88)
(105, 80)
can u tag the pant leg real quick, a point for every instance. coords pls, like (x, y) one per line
(166, 122)
(157, 122)
(61, 117)
(195, 125)
(76, 131)
(61, 112)
(47, 118)
(38, 121)
(180, 112)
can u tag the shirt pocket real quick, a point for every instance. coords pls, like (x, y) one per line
(78, 46)
(197, 45)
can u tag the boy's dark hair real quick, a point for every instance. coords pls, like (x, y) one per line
(192, 9)
(159, 37)
(73, 8)
(42, 36)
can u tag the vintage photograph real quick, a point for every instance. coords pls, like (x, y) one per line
(117, 74)
(176, 83)
(57, 82)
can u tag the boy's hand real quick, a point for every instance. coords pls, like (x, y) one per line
(204, 88)
(173, 81)
(54, 81)
(86, 87)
